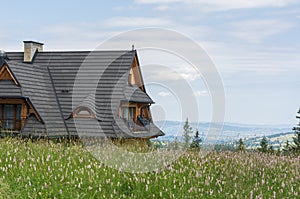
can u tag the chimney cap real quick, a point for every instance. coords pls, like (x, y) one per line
(34, 42)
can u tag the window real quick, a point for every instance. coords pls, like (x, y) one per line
(83, 112)
(1, 116)
(128, 113)
(10, 116)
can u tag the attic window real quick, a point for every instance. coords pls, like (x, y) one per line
(83, 112)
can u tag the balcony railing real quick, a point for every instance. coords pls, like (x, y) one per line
(142, 124)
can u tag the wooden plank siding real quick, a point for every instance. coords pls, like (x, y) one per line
(135, 76)
(6, 74)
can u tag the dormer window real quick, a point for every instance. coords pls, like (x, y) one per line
(83, 112)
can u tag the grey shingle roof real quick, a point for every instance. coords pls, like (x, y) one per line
(9, 88)
(36, 86)
(34, 127)
(100, 80)
(120, 126)
(135, 94)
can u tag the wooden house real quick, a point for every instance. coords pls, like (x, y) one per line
(74, 93)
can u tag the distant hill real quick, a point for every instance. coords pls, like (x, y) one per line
(231, 132)
(276, 140)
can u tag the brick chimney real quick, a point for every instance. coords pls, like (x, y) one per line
(30, 50)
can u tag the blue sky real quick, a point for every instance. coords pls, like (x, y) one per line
(255, 45)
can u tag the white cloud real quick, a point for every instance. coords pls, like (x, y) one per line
(230, 57)
(257, 30)
(156, 1)
(221, 4)
(201, 93)
(162, 8)
(166, 73)
(233, 58)
(239, 4)
(58, 35)
(136, 22)
(164, 94)
(188, 73)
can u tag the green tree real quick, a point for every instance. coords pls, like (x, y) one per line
(196, 141)
(241, 146)
(271, 149)
(295, 146)
(263, 145)
(286, 149)
(187, 131)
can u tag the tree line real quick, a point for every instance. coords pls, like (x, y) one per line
(289, 148)
(195, 141)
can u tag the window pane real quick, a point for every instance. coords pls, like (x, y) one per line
(0, 112)
(83, 113)
(125, 113)
(9, 115)
(131, 112)
(1, 122)
(18, 116)
(18, 111)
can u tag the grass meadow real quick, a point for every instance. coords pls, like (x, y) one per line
(42, 169)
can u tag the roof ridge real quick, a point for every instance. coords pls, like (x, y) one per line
(32, 65)
(75, 51)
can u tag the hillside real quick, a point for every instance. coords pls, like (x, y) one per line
(231, 132)
(48, 170)
(276, 140)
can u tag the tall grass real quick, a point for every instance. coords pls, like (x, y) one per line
(54, 170)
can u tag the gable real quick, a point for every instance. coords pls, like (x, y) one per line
(135, 75)
(33, 112)
(6, 74)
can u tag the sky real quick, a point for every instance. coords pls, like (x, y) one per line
(254, 45)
